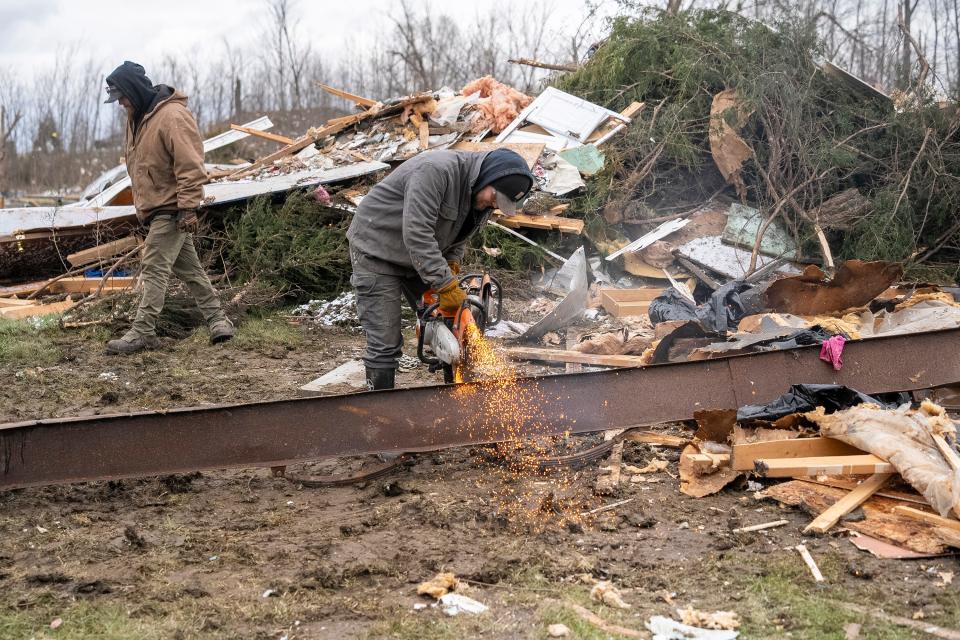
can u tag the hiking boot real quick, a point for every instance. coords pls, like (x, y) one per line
(221, 331)
(131, 343)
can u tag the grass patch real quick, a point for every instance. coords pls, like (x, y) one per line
(28, 343)
(785, 600)
(257, 334)
(82, 621)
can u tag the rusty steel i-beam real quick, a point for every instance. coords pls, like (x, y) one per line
(427, 418)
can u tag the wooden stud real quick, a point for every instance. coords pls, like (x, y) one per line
(745, 453)
(814, 569)
(16, 313)
(951, 456)
(821, 466)
(761, 527)
(926, 516)
(848, 503)
(707, 462)
(266, 135)
(103, 251)
(358, 100)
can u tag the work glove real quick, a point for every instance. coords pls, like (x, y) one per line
(451, 297)
(454, 266)
(187, 220)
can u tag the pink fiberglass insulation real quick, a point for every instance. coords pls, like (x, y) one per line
(500, 104)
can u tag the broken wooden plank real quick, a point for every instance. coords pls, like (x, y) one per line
(546, 222)
(80, 284)
(821, 466)
(706, 462)
(17, 313)
(744, 454)
(355, 99)
(621, 303)
(558, 355)
(928, 517)
(814, 569)
(103, 251)
(837, 483)
(847, 503)
(273, 137)
(918, 625)
(658, 439)
(880, 519)
(948, 453)
(15, 302)
(760, 527)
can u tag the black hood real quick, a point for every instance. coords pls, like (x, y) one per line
(499, 164)
(133, 83)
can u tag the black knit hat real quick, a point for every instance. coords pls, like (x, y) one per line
(508, 173)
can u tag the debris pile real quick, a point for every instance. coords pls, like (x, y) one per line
(338, 312)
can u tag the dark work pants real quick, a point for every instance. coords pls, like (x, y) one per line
(378, 305)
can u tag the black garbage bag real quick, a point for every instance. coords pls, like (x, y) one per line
(807, 397)
(721, 313)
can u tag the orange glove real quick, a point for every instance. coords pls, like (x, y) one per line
(454, 266)
(451, 297)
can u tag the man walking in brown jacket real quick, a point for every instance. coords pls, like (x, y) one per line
(164, 156)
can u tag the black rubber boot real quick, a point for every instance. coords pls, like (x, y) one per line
(380, 378)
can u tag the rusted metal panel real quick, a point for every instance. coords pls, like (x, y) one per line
(425, 418)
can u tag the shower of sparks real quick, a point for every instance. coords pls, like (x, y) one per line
(517, 416)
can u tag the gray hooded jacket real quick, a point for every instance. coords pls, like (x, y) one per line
(414, 220)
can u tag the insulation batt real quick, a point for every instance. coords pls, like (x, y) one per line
(904, 438)
(500, 104)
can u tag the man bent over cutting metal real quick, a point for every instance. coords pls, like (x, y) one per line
(409, 234)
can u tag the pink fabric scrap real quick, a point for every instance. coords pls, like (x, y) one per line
(320, 195)
(832, 351)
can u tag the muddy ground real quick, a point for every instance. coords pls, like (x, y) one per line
(241, 554)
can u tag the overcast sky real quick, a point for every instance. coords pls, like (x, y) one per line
(110, 31)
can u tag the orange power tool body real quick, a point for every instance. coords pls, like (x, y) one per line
(446, 335)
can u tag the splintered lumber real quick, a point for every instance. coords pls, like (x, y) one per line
(744, 454)
(880, 521)
(274, 137)
(761, 527)
(104, 251)
(658, 439)
(558, 355)
(848, 503)
(16, 313)
(929, 518)
(814, 569)
(836, 483)
(86, 285)
(948, 453)
(15, 302)
(821, 466)
(547, 222)
(706, 462)
(358, 100)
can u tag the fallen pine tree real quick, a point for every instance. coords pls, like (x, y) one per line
(819, 148)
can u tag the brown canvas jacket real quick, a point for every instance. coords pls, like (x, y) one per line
(165, 159)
